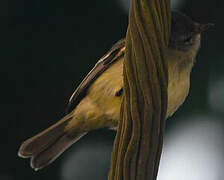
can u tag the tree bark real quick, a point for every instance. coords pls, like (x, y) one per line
(139, 139)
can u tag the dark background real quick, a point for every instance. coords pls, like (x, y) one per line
(47, 48)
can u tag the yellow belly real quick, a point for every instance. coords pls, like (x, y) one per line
(101, 108)
(102, 91)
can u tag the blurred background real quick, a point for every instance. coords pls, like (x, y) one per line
(47, 48)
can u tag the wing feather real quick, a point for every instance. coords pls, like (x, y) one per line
(110, 57)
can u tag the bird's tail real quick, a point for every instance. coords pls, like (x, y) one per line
(46, 146)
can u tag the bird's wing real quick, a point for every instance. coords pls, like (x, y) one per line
(111, 56)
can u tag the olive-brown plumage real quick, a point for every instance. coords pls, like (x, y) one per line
(96, 102)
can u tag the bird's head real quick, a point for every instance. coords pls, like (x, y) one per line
(185, 33)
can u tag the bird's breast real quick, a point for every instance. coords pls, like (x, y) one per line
(178, 88)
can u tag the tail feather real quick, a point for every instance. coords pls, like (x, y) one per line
(46, 146)
(42, 140)
(47, 156)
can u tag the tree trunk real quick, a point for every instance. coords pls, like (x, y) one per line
(139, 139)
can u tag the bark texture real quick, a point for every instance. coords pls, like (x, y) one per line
(139, 139)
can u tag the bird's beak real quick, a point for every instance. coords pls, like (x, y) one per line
(204, 27)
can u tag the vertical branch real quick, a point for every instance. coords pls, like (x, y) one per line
(138, 143)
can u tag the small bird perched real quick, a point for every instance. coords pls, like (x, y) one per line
(96, 102)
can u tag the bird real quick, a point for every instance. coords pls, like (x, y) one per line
(96, 102)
